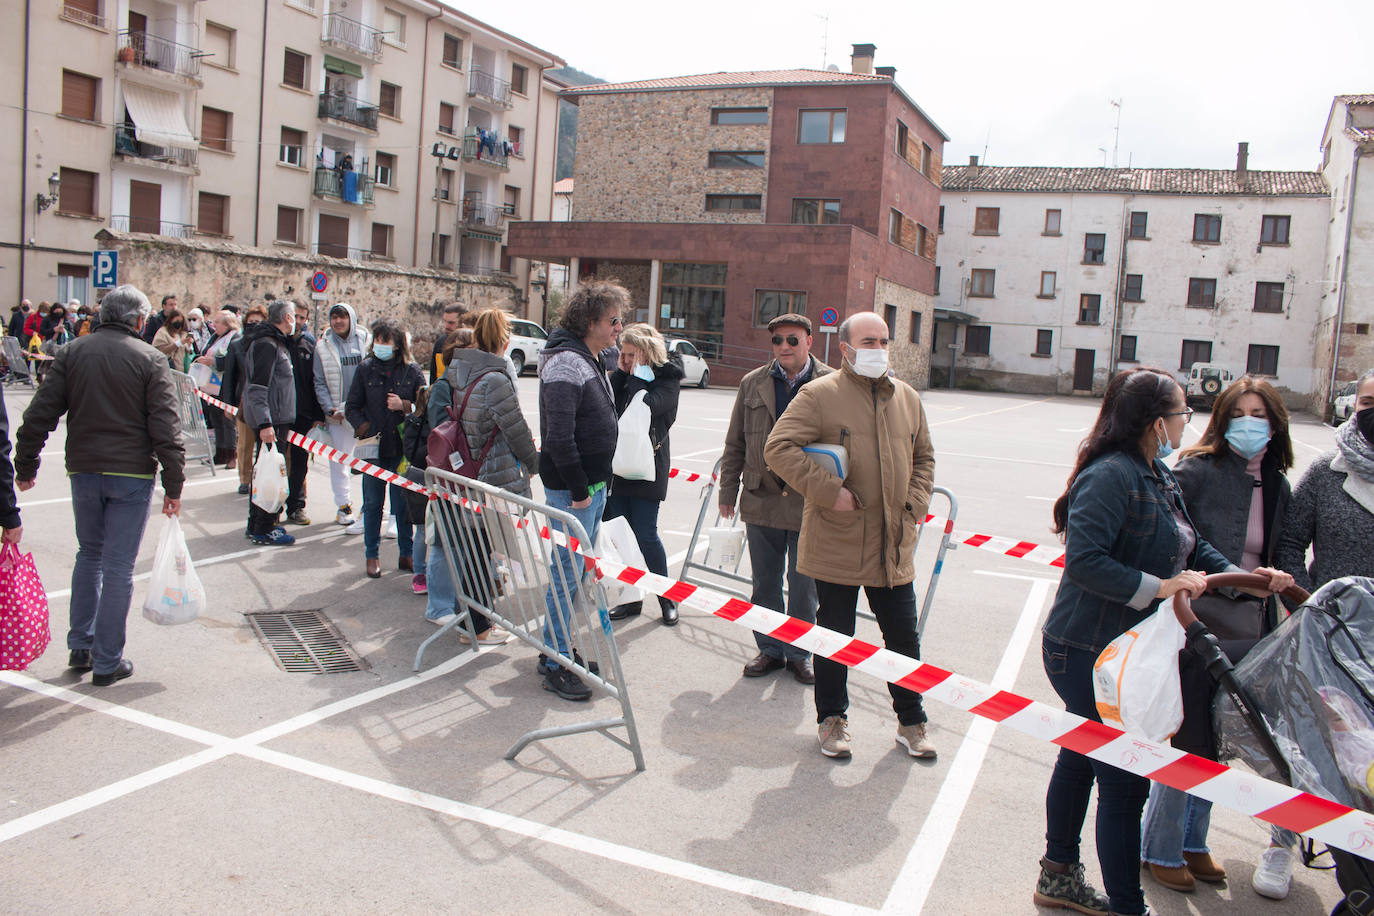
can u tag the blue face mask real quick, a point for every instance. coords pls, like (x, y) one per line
(644, 373)
(1165, 448)
(1248, 435)
(383, 352)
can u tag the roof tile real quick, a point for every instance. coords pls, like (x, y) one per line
(1134, 181)
(730, 80)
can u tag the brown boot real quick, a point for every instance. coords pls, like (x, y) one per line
(1204, 867)
(1175, 879)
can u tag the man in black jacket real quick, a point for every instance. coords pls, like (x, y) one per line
(269, 403)
(453, 317)
(169, 308)
(308, 413)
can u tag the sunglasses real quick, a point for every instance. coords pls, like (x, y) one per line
(617, 322)
(792, 340)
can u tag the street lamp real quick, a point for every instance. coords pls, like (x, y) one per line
(44, 201)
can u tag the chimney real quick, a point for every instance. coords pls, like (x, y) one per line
(889, 72)
(861, 61)
(1242, 159)
(973, 162)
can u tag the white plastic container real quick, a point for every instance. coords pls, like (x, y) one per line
(725, 547)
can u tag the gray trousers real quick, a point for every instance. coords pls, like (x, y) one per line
(768, 548)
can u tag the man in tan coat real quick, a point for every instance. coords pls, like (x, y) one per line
(860, 531)
(772, 512)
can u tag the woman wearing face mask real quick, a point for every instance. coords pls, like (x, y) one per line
(174, 343)
(1129, 544)
(198, 329)
(646, 365)
(1333, 513)
(1234, 486)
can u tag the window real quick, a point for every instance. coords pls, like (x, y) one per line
(516, 136)
(73, 282)
(1128, 348)
(1052, 222)
(986, 220)
(1202, 293)
(694, 295)
(215, 128)
(813, 210)
(443, 249)
(1274, 230)
(890, 318)
(1262, 360)
(743, 160)
(925, 242)
(903, 231)
(915, 333)
(394, 22)
(289, 225)
(978, 340)
(982, 283)
(76, 195)
(453, 52)
(739, 115)
(1047, 281)
(1139, 220)
(86, 12)
(292, 149)
(381, 240)
(941, 223)
(770, 303)
(511, 201)
(1195, 351)
(937, 281)
(928, 161)
(902, 135)
(79, 94)
(386, 170)
(1134, 291)
(389, 99)
(1094, 248)
(1206, 227)
(445, 189)
(1268, 297)
(1044, 339)
(734, 201)
(821, 126)
(1089, 308)
(445, 118)
(295, 69)
(212, 214)
(518, 77)
(218, 45)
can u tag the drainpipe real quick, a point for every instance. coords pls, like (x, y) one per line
(1115, 347)
(262, 101)
(420, 154)
(24, 160)
(1345, 272)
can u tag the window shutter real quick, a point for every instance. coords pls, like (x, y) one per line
(212, 212)
(90, 7)
(387, 99)
(293, 70)
(77, 192)
(288, 224)
(381, 235)
(214, 128)
(78, 95)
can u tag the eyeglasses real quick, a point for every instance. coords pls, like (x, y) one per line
(617, 321)
(792, 340)
(1186, 413)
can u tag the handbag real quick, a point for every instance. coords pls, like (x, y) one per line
(175, 593)
(1231, 618)
(269, 479)
(369, 449)
(1135, 679)
(24, 632)
(634, 447)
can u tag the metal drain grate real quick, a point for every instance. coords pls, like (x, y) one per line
(305, 641)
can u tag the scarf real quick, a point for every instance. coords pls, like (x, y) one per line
(1355, 459)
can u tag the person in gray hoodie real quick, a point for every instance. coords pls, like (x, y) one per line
(337, 357)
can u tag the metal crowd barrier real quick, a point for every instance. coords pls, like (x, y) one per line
(20, 370)
(505, 569)
(733, 582)
(195, 435)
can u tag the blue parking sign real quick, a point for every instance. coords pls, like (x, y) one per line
(105, 268)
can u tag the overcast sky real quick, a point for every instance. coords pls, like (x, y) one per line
(1033, 82)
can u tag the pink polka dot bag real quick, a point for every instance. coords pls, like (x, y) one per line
(24, 632)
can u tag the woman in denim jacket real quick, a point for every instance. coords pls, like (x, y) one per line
(1129, 544)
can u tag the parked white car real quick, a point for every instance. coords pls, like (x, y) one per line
(1344, 403)
(527, 340)
(695, 370)
(1205, 382)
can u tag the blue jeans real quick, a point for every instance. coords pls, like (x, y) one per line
(1175, 823)
(1120, 795)
(374, 496)
(419, 554)
(768, 548)
(103, 577)
(442, 599)
(642, 514)
(566, 570)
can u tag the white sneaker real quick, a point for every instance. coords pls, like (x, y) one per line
(1274, 872)
(390, 531)
(491, 636)
(345, 515)
(440, 621)
(356, 527)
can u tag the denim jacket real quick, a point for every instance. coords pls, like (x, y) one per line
(1122, 542)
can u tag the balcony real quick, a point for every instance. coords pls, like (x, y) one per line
(477, 270)
(484, 147)
(488, 86)
(76, 14)
(339, 107)
(479, 215)
(149, 52)
(349, 187)
(353, 36)
(128, 146)
(331, 250)
(152, 226)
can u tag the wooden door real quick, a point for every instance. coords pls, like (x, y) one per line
(1083, 369)
(145, 207)
(333, 236)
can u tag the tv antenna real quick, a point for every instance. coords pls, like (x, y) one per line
(1116, 132)
(825, 38)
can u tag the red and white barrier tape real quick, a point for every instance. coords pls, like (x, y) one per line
(1007, 547)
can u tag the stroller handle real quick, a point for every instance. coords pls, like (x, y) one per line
(1183, 599)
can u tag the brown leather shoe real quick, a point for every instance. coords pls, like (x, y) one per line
(374, 568)
(803, 671)
(761, 664)
(1204, 867)
(1176, 879)
(406, 563)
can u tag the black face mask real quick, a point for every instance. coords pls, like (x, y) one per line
(1364, 419)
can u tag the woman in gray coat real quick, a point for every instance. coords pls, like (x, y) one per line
(493, 407)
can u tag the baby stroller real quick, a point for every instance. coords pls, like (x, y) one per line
(1299, 708)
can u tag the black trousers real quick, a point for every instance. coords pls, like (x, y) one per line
(297, 464)
(895, 610)
(260, 522)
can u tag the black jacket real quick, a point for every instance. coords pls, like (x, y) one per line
(269, 385)
(366, 409)
(9, 504)
(308, 411)
(661, 395)
(231, 375)
(16, 326)
(577, 428)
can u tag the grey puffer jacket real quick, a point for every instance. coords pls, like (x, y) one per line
(493, 405)
(1326, 516)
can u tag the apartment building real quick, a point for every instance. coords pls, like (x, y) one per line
(396, 131)
(722, 200)
(1051, 279)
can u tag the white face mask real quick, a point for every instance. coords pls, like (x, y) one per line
(870, 363)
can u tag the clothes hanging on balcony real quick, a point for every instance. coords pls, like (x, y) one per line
(507, 148)
(350, 187)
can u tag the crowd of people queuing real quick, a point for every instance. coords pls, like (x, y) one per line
(1136, 530)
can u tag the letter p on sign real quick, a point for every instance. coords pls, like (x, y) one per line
(105, 268)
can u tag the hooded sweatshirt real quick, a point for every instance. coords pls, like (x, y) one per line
(337, 360)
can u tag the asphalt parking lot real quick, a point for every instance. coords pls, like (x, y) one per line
(213, 781)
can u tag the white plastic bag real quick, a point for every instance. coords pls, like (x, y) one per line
(1135, 679)
(269, 479)
(634, 450)
(175, 594)
(616, 541)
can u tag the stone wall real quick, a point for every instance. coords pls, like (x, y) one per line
(208, 274)
(909, 359)
(633, 275)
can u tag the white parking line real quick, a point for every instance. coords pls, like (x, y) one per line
(67, 499)
(988, 413)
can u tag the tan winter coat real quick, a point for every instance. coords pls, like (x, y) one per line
(764, 500)
(891, 469)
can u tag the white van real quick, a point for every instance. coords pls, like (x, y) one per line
(1206, 381)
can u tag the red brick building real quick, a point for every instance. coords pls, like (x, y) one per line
(724, 199)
